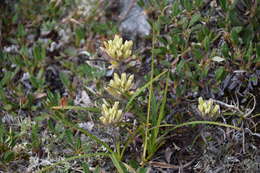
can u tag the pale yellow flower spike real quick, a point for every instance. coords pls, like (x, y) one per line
(117, 50)
(207, 107)
(129, 83)
(111, 115)
(120, 86)
(123, 80)
(116, 79)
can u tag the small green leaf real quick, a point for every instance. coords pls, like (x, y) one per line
(142, 170)
(65, 79)
(180, 67)
(196, 17)
(166, 63)
(41, 117)
(198, 3)
(164, 20)
(176, 8)
(133, 163)
(69, 136)
(249, 53)
(78, 144)
(39, 53)
(7, 78)
(37, 83)
(219, 73)
(21, 31)
(225, 50)
(198, 53)
(8, 156)
(85, 167)
(234, 35)
(79, 34)
(8, 107)
(187, 5)
(224, 4)
(35, 136)
(159, 51)
(184, 22)
(206, 43)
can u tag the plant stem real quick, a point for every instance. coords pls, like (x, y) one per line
(149, 100)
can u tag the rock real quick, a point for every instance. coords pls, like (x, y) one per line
(134, 22)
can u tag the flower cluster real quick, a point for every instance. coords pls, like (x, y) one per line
(110, 115)
(207, 108)
(117, 50)
(120, 85)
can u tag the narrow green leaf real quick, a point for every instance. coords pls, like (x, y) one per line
(192, 123)
(91, 109)
(117, 164)
(69, 136)
(65, 79)
(140, 90)
(219, 73)
(39, 53)
(162, 107)
(176, 8)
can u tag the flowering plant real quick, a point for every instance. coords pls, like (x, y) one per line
(117, 50)
(110, 115)
(119, 86)
(207, 108)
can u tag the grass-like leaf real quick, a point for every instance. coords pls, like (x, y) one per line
(140, 90)
(91, 109)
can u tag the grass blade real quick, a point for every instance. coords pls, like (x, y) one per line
(117, 164)
(140, 90)
(91, 109)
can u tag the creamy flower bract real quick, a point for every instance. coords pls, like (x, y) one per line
(117, 50)
(121, 85)
(208, 108)
(110, 115)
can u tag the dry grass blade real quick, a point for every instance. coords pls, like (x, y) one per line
(170, 166)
